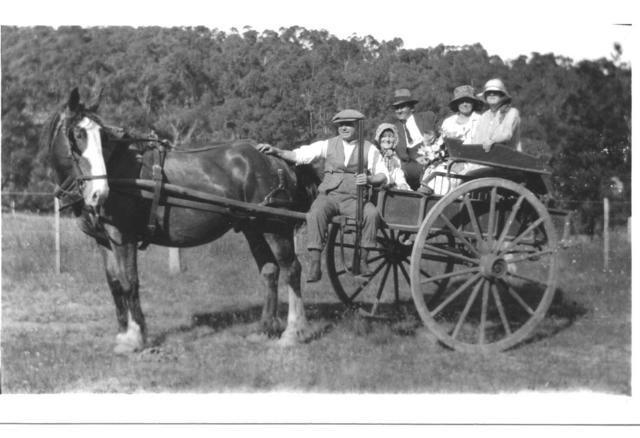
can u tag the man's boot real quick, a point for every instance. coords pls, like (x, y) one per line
(315, 271)
(365, 270)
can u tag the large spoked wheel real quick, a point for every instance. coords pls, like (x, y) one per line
(500, 244)
(389, 263)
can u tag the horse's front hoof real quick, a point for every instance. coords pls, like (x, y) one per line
(126, 348)
(129, 342)
(271, 327)
(289, 338)
(301, 335)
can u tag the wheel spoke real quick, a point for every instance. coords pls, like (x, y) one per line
(467, 307)
(366, 283)
(455, 294)
(448, 253)
(518, 298)
(472, 217)
(382, 282)
(376, 258)
(483, 313)
(459, 235)
(449, 275)
(507, 226)
(492, 215)
(503, 315)
(396, 288)
(405, 273)
(530, 228)
(531, 256)
(525, 278)
(384, 233)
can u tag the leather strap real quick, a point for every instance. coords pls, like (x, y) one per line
(159, 154)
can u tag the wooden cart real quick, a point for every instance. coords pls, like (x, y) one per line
(481, 261)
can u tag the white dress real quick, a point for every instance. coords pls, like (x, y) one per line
(433, 178)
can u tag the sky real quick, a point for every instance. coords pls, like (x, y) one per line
(578, 30)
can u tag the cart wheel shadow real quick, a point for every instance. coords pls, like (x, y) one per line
(562, 314)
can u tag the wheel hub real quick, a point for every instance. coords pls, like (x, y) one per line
(395, 251)
(493, 266)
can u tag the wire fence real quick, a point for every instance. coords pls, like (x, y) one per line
(613, 213)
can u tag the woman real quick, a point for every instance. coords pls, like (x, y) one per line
(466, 107)
(386, 139)
(501, 122)
(460, 126)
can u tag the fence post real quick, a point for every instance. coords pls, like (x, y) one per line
(175, 261)
(605, 233)
(13, 207)
(56, 214)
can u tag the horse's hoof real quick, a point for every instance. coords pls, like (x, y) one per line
(288, 339)
(129, 342)
(291, 337)
(272, 327)
(125, 348)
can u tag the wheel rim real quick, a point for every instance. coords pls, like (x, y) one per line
(501, 283)
(390, 264)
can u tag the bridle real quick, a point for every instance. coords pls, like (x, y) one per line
(70, 191)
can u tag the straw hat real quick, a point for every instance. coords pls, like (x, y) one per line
(465, 92)
(495, 85)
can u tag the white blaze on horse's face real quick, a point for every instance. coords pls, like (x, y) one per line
(96, 190)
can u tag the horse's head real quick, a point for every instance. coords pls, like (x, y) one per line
(75, 147)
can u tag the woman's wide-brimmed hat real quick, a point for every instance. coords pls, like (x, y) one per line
(465, 92)
(495, 85)
(403, 96)
(347, 115)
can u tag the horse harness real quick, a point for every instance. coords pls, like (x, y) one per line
(70, 190)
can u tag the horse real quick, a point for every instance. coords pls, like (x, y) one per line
(86, 154)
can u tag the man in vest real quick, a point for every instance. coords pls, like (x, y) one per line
(337, 194)
(415, 131)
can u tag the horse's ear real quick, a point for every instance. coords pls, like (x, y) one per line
(96, 103)
(74, 100)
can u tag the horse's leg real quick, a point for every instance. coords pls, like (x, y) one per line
(297, 326)
(122, 275)
(269, 270)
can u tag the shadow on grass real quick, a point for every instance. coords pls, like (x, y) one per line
(561, 315)
(401, 319)
(392, 319)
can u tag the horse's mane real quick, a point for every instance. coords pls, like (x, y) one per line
(49, 130)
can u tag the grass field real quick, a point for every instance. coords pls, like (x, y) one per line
(58, 330)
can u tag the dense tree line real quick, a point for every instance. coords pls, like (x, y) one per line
(198, 84)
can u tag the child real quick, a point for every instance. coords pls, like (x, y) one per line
(387, 139)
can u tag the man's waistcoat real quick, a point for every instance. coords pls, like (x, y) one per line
(339, 178)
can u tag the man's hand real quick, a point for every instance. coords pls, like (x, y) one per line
(487, 145)
(266, 148)
(362, 179)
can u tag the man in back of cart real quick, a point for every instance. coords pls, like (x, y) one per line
(338, 192)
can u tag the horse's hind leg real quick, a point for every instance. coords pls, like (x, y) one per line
(269, 270)
(122, 277)
(297, 326)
